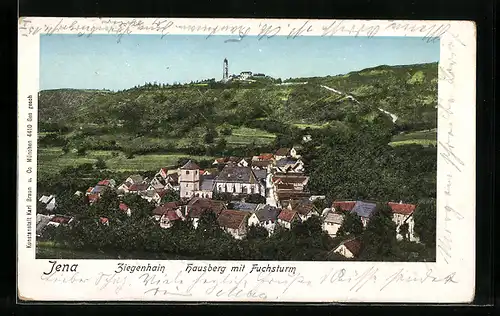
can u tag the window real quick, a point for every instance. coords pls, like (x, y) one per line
(187, 171)
(196, 172)
(186, 185)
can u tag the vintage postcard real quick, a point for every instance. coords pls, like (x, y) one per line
(211, 160)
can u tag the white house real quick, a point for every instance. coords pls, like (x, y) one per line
(49, 201)
(135, 179)
(304, 208)
(238, 180)
(349, 248)
(332, 222)
(60, 220)
(243, 162)
(286, 153)
(265, 216)
(402, 213)
(234, 222)
(41, 223)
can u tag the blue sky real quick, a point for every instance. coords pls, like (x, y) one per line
(101, 62)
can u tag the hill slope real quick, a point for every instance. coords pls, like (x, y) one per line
(406, 92)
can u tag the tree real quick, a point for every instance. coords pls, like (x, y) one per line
(255, 198)
(140, 208)
(170, 196)
(256, 232)
(351, 225)
(100, 164)
(379, 238)
(208, 225)
(425, 223)
(404, 230)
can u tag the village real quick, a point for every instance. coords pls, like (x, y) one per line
(265, 191)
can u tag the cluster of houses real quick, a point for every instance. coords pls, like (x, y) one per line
(279, 179)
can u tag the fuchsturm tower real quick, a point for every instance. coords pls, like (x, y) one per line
(225, 70)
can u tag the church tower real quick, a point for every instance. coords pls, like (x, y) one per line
(189, 179)
(225, 70)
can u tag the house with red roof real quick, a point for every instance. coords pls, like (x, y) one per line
(104, 221)
(287, 218)
(350, 248)
(125, 209)
(234, 222)
(60, 220)
(402, 213)
(168, 218)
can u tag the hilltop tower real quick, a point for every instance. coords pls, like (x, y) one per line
(189, 179)
(225, 70)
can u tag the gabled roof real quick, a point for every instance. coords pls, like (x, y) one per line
(197, 205)
(335, 218)
(364, 209)
(282, 151)
(104, 182)
(402, 208)
(123, 207)
(261, 163)
(290, 178)
(231, 218)
(171, 215)
(264, 156)
(344, 205)
(286, 162)
(267, 213)
(93, 197)
(162, 209)
(233, 173)
(244, 206)
(353, 245)
(138, 187)
(190, 165)
(103, 220)
(287, 215)
(136, 178)
(60, 219)
(98, 189)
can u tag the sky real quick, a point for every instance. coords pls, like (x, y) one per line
(103, 62)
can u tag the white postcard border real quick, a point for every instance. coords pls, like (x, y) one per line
(451, 279)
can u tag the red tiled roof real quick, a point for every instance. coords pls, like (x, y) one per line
(171, 215)
(60, 219)
(402, 208)
(231, 218)
(103, 182)
(282, 151)
(266, 156)
(103, 220)
(123, 207)
(353, 245)
(164, 208)
(287, 215)
(344, 205)
(93, 197)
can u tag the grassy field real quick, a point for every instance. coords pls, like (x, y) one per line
(245, 135)
(424, 138)
(312, 126)
(52, 160)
